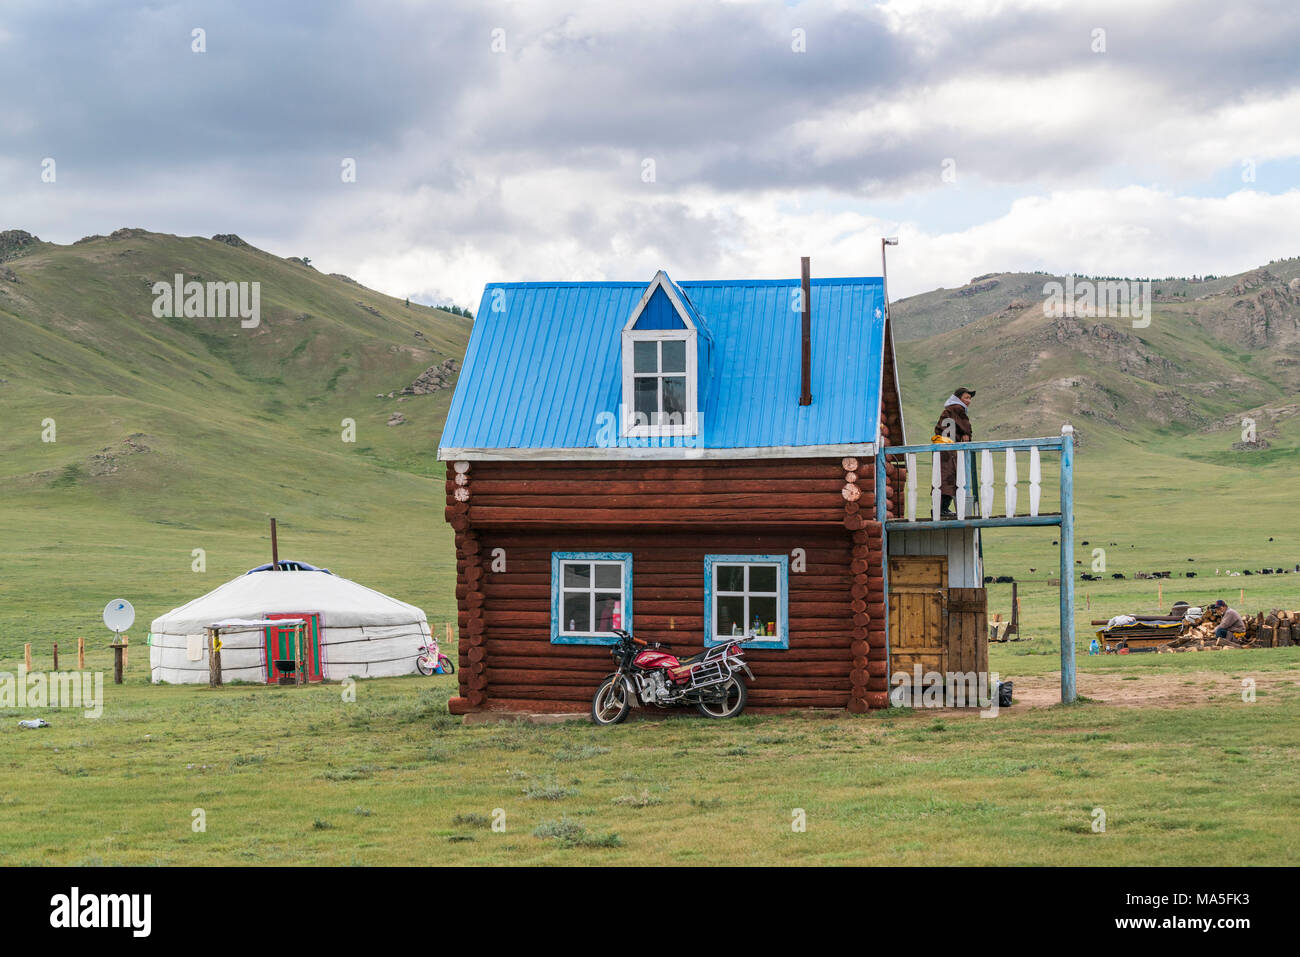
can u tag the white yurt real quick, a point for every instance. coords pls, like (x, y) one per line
(350, 630)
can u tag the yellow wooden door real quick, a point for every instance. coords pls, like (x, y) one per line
(918, 591)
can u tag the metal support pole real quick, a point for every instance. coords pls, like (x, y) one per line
(1067, 565)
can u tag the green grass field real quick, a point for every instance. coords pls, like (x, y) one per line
(291, 776)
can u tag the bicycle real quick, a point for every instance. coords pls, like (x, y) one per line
(430, 661)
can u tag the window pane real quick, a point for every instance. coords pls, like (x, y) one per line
(730, 577)
(647, 398)
(609, 576)
(674, 355)
(731, 615)
(606, 604)
(762, 578)
(675, 396)
(645, 357)
(577, 612)
(577, 576)
(765, 610)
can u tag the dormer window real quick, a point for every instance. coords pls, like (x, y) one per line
(660, 377)
(659, 387)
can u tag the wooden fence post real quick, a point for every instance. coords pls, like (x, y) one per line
(214, 659)
(27, 655)
(118, 648)
(56, 656)
(81, 654)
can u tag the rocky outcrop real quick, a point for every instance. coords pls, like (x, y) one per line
(396, 419)
(1266, 315)
(1252, 280)
(433, 379)
(977, 287)
(1265, 417)
(15, 242)
(230, 239)
(109, 459)
(1118, 349)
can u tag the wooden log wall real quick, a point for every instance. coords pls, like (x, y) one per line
(563, 494)
(891, 431)
(669, 515)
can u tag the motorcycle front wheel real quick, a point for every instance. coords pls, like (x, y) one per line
(610, 704)
(726, 701)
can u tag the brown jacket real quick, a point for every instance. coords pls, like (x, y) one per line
(1231, 621)
(954, 423)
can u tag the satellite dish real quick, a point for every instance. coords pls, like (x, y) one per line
(119, 615)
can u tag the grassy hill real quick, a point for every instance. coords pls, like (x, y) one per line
(1158, 410)
(178, 434)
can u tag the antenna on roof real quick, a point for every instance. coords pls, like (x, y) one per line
(275, 550)
(884, 271)
(805, 358)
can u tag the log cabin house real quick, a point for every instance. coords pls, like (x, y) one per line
(693, 461)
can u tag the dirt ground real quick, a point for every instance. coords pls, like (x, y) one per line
(1170, 690)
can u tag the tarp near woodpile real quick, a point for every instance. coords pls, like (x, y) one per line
(1140, 630)
(363, 632)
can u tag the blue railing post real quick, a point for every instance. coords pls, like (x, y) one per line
(881, 502)
(1067, 565)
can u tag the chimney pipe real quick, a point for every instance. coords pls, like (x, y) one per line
(805, 394)
(275, 550)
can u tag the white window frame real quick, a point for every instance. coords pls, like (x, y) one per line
(629, 427)
(560, 632)
(781, 564)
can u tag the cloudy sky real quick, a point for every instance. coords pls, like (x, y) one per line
(557, 139)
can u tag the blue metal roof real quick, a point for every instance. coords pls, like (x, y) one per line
(543, 369)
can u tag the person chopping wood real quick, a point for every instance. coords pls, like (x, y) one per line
(953, 426)
(1230, 623)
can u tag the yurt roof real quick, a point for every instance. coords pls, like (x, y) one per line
(342, 603)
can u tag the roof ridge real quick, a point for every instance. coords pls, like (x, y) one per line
(640, 284)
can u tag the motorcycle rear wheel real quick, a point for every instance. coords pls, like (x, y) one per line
(610, 705)
(731, 701)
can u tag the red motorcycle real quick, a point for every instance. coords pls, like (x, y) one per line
(647, 675)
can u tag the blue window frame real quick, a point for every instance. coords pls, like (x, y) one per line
(747, 595)
(591, 594)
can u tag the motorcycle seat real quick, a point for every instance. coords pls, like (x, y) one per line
(694, 659)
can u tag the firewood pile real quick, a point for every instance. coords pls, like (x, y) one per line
(1277, 629)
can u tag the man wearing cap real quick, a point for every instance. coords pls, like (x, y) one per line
(954, 426)
(1230, 622)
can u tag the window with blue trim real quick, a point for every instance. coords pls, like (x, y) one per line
(746, 596)
(591, 595)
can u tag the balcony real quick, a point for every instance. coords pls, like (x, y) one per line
(983, 492)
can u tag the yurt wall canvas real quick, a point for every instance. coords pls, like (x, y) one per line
(360, 632)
